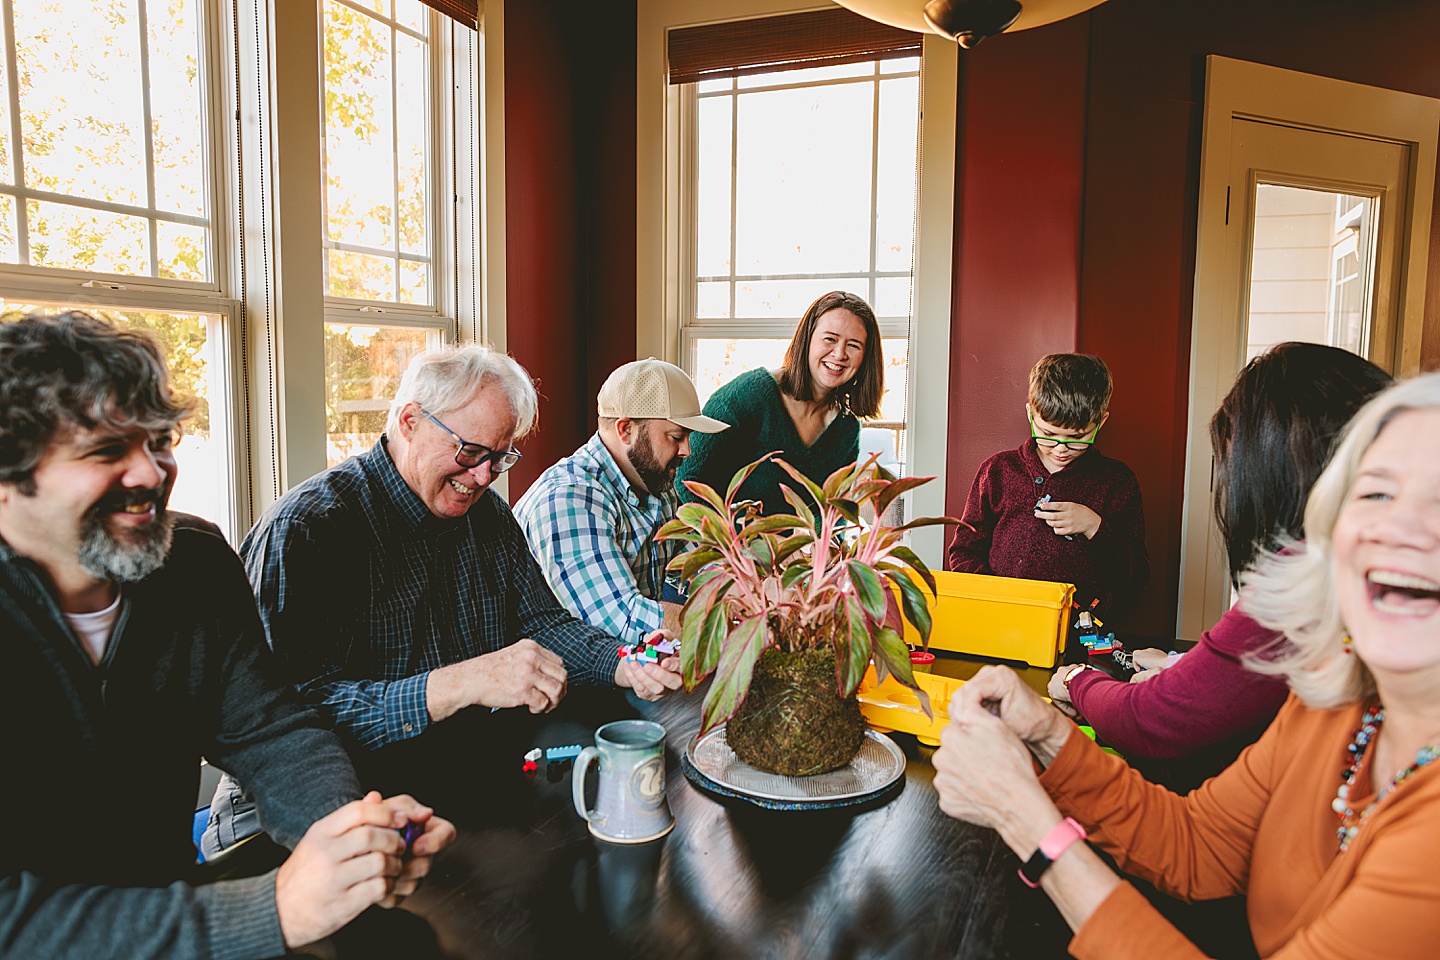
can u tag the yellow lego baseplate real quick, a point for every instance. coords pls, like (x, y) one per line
(894, 706)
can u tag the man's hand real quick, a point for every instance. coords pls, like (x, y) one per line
(438, 834)
(524, 674)
(650, 681)
(1069, 519)
(346, 862)
(671, 623)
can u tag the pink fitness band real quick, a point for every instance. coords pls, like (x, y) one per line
(1054, 843)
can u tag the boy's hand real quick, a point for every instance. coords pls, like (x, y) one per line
(1069, 519)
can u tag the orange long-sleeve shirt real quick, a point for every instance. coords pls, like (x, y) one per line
(1263, 828)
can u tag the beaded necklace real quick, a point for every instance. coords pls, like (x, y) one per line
(1350, 820)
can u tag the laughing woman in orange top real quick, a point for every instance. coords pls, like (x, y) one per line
(1330, 824)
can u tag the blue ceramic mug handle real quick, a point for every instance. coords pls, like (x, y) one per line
(577, 781)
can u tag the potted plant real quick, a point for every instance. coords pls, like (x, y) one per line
(788, 610)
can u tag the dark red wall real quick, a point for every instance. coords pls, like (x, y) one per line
(570, 211)
(1144, 87)
(1077, 183)
(1019, 171)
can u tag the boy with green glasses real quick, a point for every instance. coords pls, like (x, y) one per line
(1057, 508)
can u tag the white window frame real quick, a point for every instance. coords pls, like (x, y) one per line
(110, 291)
(658, 230)
(440, 313)
(283, 206)
(694, 328)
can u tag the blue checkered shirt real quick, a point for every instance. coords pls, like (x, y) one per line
(364, 591)
(594, 536)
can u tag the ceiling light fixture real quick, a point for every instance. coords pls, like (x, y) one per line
(967, 22)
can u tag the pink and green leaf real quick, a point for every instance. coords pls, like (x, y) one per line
(853, 653)
(732, 676)
(743, 474)
(917, 611)
(911, 558)
(811, 485)
(890, 650)
(802, 509)
(691, 563)
(925, 522)
(868, 588)
(707, 493)
(896, 489)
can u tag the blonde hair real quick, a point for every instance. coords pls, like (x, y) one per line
(1293, 590)
(446, 379)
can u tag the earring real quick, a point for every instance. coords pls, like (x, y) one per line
(1345, 644)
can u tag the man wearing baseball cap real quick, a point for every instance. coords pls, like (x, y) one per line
(591, 519)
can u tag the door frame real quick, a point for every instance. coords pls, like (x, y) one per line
(1237, 89)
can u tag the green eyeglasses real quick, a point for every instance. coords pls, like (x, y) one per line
(1076, 445)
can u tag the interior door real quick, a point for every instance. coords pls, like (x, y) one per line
(1314, 228)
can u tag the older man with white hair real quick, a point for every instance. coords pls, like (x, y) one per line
(399, 590)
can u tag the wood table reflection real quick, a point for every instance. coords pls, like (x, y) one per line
(526, 879)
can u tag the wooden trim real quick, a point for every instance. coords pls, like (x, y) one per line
(1236, 89)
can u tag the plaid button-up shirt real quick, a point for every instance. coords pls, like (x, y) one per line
(364, 591)
(594, 536)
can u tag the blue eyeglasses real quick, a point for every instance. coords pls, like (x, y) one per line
(470, 455)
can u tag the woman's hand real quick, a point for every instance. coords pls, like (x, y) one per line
(1060, 693)
(984, 775)
(1000, 691)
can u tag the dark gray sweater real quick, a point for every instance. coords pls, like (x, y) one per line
(102, 762)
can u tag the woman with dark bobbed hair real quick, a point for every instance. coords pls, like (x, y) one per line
(1271, 438)
(808, 409)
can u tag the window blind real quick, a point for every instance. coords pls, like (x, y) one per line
(795, 41)
(466, 12)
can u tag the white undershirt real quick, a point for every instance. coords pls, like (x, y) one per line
(94, 629)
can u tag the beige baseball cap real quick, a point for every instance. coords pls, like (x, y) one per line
(654, 389)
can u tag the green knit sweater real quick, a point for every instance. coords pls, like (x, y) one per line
(759, 423)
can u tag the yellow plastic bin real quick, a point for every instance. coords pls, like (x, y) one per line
(998, 617)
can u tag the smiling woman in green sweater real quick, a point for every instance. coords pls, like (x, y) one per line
(807, 410)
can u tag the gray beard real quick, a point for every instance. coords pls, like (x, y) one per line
(130, 560)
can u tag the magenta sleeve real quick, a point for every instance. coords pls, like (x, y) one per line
(1206, 697)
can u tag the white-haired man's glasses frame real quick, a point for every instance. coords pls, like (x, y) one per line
(471, 455)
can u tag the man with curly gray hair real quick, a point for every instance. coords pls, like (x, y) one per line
(131, 648)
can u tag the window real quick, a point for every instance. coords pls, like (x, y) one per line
(379, 107)
(109, 200)
(197, 372)
(362, 372)
(102, 139)
(383, 169)
(804, 182)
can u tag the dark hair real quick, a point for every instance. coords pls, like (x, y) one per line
(59, 373)
(1070, 390)
(861, 396)
(1272, 436)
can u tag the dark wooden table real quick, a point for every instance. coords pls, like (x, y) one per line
(526, 879)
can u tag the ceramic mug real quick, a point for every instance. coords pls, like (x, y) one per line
(630, 806)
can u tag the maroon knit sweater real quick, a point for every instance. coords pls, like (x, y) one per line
(1010, 541)
(1207, 699)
